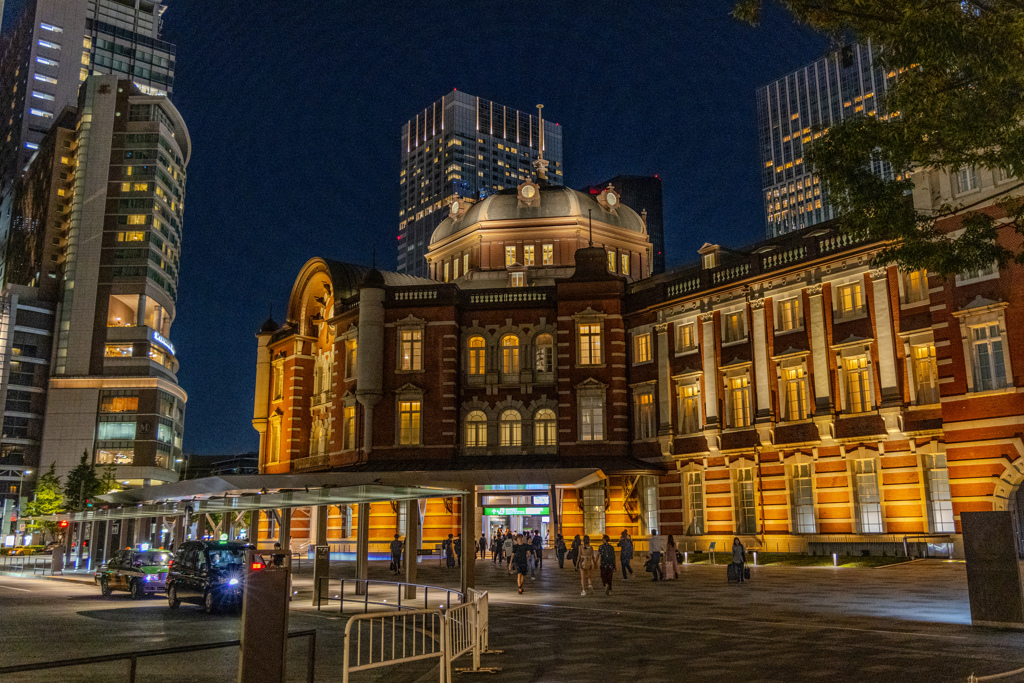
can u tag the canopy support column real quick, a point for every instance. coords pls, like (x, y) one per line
(253, 536)
(412, 545)
(467, 519)
(362, 545)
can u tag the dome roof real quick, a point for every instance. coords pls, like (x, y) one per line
(556, 201)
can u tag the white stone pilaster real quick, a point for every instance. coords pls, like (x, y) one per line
(819, 350)
(760, 343)
(884, 335)
(710, 368)
(664, 381)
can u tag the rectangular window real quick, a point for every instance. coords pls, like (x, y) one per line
(796, 393)
(686, 338)
(611, 261)
(695, 503)
(646, 426)
(351, 357)
(593, 510)
(642, 347)
(789, 315)
(118, 350)
(739, 402)
(940, 505)
(746, 513)
(49, 44)
(517, 279)
(648, 504)
(455, 268)
(45, 79)
(869, 508)
(858, 385)
(590, 344)
(965, 180)
(926, 374)
(803, 499)
(409, 423)
(528, 255)
(915, 286)
(989, 365)
(137, 219)
(350, 428)
(591, 418)
(510, 256)
(136, 236)
(689, 408)
(47, 62)
(734, 327)
(41, 112)
(447, 265)
(411, 350)
(115, 456)
(625, 264)
(968, 276)
(465, 263)
(548, 251)
(115, 430)
(42, 96)
(274, 445)
(278, 381)
(849, 300)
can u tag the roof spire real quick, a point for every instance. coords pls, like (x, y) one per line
(541, 164)
(590, 217)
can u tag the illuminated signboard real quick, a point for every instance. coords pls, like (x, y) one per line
(541, 500)
(516, 511)
(163, 341)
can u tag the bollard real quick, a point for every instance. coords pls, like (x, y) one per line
(686, 557)
(835, 559)
(755, 558)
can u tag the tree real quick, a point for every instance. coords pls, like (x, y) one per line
(956, 100)
(82, 484)
(108, 482)
(49, 500)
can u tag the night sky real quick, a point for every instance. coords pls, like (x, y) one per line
(295, 110)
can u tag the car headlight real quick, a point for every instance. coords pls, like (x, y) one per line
(233, 582)
(148, 577)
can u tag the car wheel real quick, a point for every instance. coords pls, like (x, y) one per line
(105, 588)
(136, 590)
(172, 598)
(209, 603)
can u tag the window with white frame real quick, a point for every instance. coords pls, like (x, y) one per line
(465, 263)
(746, 512)
(278, 379)
(868, 503)
(274, 440)
(455, 268)
(591, 417)
(548, 254)
(803, 499)
(593, 509)
(926, 374)
(411, 350)
(611, 261)
(965, 180)
(695, 503)
(686, 337)
(476, 429)
(477, 349)
(510, 428)
(940, 504)
(739, 401)
(858, 384)
(849, 300)
(734, 327)
(795, 391)
(789, 315)
(528, 259)
(689, 408)
(544, 428)
(625, 264)
(510, 355)
(590, 344)
(351, 356)
(646, 424)
(915, 286)
(977, 274)
(349, 428)
(642, 347)
(987, 357)
(409, 422)
(517, 279)
(447, 267)
(648, 504)
(510, 256)
(544, 350)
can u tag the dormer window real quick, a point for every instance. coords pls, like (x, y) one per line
(709, 256)
(708, 261)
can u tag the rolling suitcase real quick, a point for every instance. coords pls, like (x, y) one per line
(733, 573)
(746, 573)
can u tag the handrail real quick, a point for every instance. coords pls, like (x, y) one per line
(133, 657)
(368, 583)
(906, 547)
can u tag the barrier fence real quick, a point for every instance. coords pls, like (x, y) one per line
(21, 563)
(390, 594)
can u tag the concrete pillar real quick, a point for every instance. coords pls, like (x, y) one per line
(884, 336)
(362, 544)
(140, 313)
(286, 528)
(108, 538)
(319, 513)
(177, 532)
(554, 511)
(412, 545)
(468, 501)
(254, 527)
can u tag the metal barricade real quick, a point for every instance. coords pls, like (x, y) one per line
(414, 635)
(378, 589)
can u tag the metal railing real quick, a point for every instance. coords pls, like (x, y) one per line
(133, 657)
(383, 588)
(18, 563)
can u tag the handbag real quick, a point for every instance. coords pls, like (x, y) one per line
(679, 557)
(572, 555)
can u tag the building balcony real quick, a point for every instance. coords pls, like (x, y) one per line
(313, 462)
(321, 400)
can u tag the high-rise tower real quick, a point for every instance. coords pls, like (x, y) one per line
(468, 147)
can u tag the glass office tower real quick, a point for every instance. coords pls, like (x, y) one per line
(464, 146)
(843, 84)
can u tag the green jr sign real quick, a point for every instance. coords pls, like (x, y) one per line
(517, 511)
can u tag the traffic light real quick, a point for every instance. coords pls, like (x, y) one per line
(63, 524)
(88, 502)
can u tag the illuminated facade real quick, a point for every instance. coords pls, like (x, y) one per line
(463, 146)
(790, 393)
(834, 88)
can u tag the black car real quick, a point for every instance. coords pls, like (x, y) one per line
(208, 573)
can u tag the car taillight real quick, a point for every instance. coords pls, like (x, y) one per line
(257, 565)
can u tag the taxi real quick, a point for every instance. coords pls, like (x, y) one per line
(140, 572)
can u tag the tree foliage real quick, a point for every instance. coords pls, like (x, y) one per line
(959, 95)
(108, 482)
(49, 500)
(82, 484)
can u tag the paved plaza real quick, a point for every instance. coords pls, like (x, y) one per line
(907, 622)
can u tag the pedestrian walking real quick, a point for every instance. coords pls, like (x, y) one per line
(507, 547)
(656, 547)
(574, 550)
(586, 563)
(495, 549)
(739, 556)
(607, 555)
(458, 549)
(396, 554)
(671, 559)
(520, 551)
(625, 553)
(560, 551)
(538, 548)
(483, 546)
(449, 552)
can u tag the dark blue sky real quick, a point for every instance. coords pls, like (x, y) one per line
(295, 110)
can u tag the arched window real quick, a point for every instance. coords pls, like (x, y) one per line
(544, 428)
(476, 429)
(477, 356)
(510, 428)
(545, 353)
(510, 354)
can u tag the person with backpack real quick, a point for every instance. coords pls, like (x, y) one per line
(482, 546)
(538, 549)
(560, 551)
(586, 563)
(626, 553)
(449, 552)
(607, 554)
(507, 547)
(739, 556)
(574, 552)
(520, 551)
(656, 547)
(396, 555)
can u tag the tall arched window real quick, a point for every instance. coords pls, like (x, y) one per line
(545, 355)
(510, 428)
(544, 428)
(476, 429)
(477, 356)
(510, 354)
